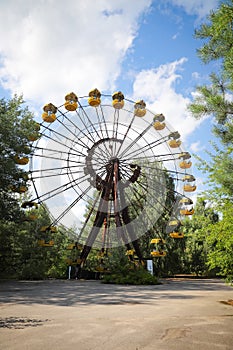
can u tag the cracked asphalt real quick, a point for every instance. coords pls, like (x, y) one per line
(179, 314)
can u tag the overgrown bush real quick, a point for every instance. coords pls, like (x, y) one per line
(126, 275)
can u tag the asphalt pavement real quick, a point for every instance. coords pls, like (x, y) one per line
(179, 314)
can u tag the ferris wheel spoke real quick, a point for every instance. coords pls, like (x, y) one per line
(54, 175)
(115, 130)
(145, 216)
(105, 159)
(163, 170)
(163, 161)
(102, 131)
(136, 140)
(147, 147)
(161, 204)
(168, 190)
(65, 137)
(71, 205)
(125, 135)
(91, 211)
(52, 169)
(59, 159)
(138, 208)
(104, 121)
(120, 221)
(143, 185)
(115, 123)
(100, 123)
(89, 136)
(62, 144)
(85, 135)
(60, 189)
(69, 153)
(89, 120)
(151, 156)
(129, 227)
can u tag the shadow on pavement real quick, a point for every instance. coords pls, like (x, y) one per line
(72, 292)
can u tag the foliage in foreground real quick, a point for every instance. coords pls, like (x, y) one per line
(126, 275)
(220, 239)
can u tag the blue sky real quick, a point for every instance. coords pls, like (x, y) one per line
(144, 48)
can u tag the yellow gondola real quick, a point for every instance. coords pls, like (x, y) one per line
(49, 115)
(72, 246)
(140, 108)
(173, 222)
(71, 103)
(189, 188)
(130, 252)
(186, 201)
(159, 126)
(25, 176)
(185, 165)
(174, 143)
(94, 98)
(35, 134)
(33, 137)
(43, 243)
(69, 261)
(73, 262)
(188, 178)
(19, 189)
(157, 241)
(21, 161)
(158, 253)
(118, 100)
(52, 229)
(176, 235)
(184, 155)
(187, 211)
(31, 217)
(100, 268)
(158, 121)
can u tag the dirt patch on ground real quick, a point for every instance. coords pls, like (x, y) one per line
(20, 322)
(227, 302)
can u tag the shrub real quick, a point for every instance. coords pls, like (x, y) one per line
(137, 276)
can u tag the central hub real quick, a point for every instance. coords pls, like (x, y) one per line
(114, 160)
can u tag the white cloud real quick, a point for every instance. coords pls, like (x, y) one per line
(174, 37)
(196, 147)
(157, 87)
(201, 8)
(196, 75)
(53, 47)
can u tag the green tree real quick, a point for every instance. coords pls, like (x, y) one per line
(20, 254)
(218, 36)
(215, 99)
(196, 231)
(220, 241)
(16, 123)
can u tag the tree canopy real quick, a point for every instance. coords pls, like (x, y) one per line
(15, 126)
(215, 100)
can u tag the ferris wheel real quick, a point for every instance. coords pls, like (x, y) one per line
(107, 169)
